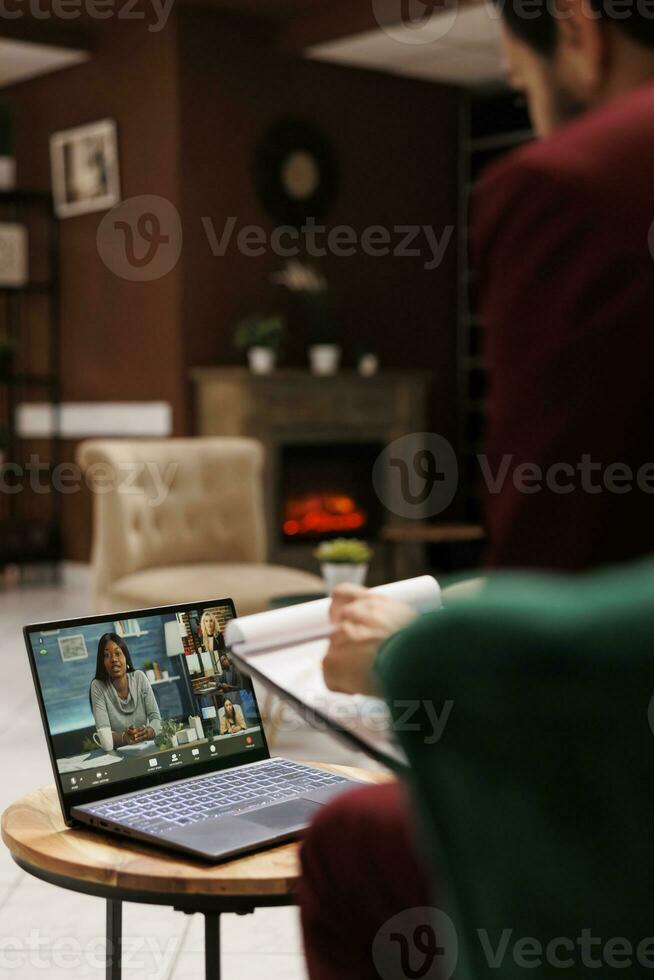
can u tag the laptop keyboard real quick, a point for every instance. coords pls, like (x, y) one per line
(218, 795)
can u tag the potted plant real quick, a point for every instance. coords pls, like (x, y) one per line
(311, 294)
(343, 560)
(260, 337)
(7, 350)
(150, 673)
(167, 738)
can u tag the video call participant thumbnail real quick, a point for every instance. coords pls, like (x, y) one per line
(122, 700)
(210, 635)
(232, 720)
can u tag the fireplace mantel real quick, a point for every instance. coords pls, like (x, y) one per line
(293, 407)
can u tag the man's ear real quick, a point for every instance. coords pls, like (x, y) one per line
(582, 51)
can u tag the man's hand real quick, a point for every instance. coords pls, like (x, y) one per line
(363, 620)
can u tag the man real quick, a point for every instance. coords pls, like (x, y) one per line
(563, 244)
(230, 679)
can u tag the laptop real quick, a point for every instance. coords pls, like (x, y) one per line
(155, 735)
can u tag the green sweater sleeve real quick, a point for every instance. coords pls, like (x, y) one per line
(527, 716)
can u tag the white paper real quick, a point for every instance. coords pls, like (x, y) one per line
(287, 648)
(310, 620)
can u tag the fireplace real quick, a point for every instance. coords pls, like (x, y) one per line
(326, 491)
(321, 437)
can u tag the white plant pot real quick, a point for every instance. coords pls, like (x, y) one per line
(324, 359)
(337, 572)
(151, 675)
(261, 360)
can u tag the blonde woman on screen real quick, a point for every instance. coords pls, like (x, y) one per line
(210, 636)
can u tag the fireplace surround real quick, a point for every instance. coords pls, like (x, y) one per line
(321, 437)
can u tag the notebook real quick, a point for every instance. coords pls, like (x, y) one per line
(284, 649)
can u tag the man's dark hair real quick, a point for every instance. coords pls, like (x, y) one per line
(534, 21)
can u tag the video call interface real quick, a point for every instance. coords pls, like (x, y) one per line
(131, 697)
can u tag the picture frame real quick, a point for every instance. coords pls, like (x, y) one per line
(73, 647)
(84, 167)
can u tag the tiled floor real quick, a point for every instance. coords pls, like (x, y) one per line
(48, 931)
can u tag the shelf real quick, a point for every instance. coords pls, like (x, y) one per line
(29, 287)
(165, 680)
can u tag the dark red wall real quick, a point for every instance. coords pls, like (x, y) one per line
(120, 340)
(191, 103)
(395, 141)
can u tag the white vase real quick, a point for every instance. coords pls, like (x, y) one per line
(337, 572)
(151, 675)
(324, 359)
(261, 360)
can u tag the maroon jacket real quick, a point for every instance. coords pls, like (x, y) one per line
(565, 250)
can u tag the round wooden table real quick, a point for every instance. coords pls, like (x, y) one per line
(87, 861)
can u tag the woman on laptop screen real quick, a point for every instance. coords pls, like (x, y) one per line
(122, 700)
(231, 719)
(210, 635)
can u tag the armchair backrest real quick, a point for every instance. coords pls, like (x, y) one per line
(173, 501)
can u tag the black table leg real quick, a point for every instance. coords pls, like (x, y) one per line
(114, 939)
(212, 945)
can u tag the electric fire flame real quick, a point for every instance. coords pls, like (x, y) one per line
(316, 514)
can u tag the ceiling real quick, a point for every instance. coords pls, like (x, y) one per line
(20, 60)
(459, 46)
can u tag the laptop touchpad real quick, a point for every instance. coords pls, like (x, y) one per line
(283, 815)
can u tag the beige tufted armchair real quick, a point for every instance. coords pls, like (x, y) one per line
(177, 520)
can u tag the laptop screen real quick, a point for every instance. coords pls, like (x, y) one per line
(132, 698)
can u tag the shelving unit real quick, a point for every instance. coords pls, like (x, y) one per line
(491, 124)
(30, 529)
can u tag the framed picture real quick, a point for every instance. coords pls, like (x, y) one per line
(73, 647)
(84, 164)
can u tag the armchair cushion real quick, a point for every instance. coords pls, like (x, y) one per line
(251, 586)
